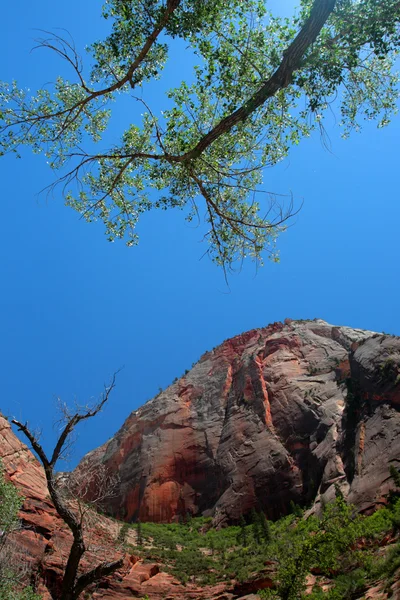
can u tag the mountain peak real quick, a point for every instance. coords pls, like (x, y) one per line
(262, 421)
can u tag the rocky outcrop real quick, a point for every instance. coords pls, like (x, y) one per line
(372, 420)
(40, 546)
(270, 417)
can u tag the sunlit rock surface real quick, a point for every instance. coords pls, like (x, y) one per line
(272, 416)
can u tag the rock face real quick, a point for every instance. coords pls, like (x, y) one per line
(272, 416)
(372, 426)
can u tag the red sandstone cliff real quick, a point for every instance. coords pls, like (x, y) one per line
(264, 419)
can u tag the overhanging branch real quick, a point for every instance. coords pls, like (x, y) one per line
(291, 61)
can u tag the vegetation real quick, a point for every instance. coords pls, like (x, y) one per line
(8, 590)
(10, 586)
(343, 548)
(260, 83)
(395, 475)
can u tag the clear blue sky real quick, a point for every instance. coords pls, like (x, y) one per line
(74, 307)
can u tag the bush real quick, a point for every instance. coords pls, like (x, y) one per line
(10, 504)
(8, 592)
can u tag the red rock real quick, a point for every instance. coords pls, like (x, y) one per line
(263, 419)
(258, 422)
(259, 581)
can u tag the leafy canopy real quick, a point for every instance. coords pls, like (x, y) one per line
(260, 84)
(338, 546)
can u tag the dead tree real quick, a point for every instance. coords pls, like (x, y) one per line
(73, 583)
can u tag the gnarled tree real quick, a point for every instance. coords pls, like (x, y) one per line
(260, 84)
(74, 582)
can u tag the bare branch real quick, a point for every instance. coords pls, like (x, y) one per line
(96, 574)
(78, 417)
(66, 51)
(72, 113)
(33, 440)
(72, 585)
(229, 218)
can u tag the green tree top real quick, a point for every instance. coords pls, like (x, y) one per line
(261, 83)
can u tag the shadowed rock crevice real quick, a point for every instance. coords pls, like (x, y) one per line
(352, 415)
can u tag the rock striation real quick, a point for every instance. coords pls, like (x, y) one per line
(270, 417)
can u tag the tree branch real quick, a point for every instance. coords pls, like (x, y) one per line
(291, 61)
(75, 419)
(72, 585)
(70, 114)
(64, 512)
(33, 440)
(102, 570)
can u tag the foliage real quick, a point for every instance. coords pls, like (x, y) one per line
(10, 503)
(139, 533)
(340, 544)
(315, 542)
(362, 567)
(123, 532)
(265, 527)
(259, 85)
(8, 591)
(395, 475)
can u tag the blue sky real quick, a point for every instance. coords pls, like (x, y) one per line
(74, 307)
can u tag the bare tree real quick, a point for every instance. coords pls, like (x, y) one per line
(73, 582)
(12, 570)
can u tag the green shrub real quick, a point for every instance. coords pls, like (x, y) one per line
(10, 503)
(8, 591)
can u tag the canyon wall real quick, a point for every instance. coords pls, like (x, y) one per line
(274, 416)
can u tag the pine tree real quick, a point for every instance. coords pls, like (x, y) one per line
(212, 546)
(265, 527)
(256, 526)
(139, 533)
(243, 532)
(295, 509)
(395, 475)
(339, 493)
